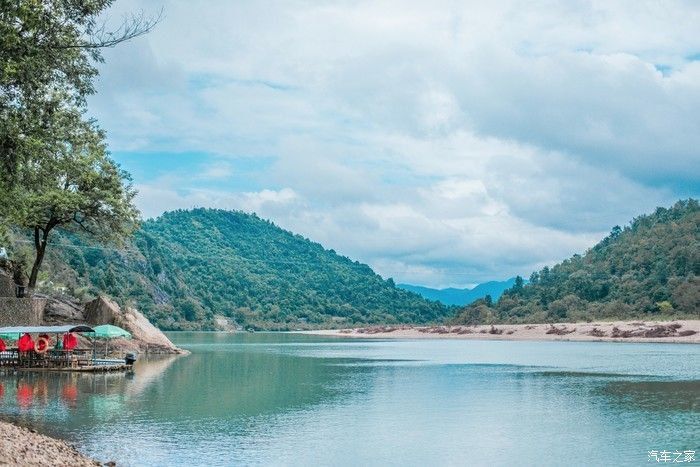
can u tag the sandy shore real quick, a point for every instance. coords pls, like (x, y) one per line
(22, 446)
(680, 331)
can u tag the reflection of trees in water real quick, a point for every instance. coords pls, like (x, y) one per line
(230, 384)
(25, 390)
(210, 386)
(663, 396)
(70, 404)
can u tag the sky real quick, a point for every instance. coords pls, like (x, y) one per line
(444, 143)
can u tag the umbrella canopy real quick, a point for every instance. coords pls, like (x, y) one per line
(109, 331)
(69, 341)
(25, 343)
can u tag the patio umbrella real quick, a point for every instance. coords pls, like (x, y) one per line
(69, 341)
(25, 343)
(108, 331)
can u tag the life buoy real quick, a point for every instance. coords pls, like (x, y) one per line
(42, 345)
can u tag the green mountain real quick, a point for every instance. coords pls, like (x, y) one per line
(185, 267)
(455, 296)
(648, 269)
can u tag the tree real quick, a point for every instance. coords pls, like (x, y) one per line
(76, 186)
(48, 52)
(48, 55)
(650, 266)
(518, 285)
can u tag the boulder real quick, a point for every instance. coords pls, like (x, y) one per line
(101, 310)
(59, 310)
(145, 332)
(149, 338)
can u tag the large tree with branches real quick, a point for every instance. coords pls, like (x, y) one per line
(48, 55)
(49, 50)
(76, 187)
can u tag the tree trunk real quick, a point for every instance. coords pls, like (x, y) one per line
(40, 247)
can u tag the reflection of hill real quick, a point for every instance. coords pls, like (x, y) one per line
(225, 378)
(658, 396)
(229, 384)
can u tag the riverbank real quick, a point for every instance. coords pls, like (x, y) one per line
(679, 331)
(22, 446)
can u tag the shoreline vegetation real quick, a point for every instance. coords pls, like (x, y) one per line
(648, 269)
(24, 446)
(677, 331)
(206, 269)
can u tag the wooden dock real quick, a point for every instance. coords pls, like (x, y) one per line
(82, 360)
(102, 368)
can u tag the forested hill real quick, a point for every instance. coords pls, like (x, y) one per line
(648, 269)
(187, 266)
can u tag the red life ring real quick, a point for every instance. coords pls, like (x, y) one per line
(42, 345)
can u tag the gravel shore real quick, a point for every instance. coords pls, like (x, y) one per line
(22, 446)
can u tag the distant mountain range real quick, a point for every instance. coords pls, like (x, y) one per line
(461, 297)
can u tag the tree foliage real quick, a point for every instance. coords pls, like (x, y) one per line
(187, 266)
(54, 168)
(645, 270)
(76, 187)
(49, 50)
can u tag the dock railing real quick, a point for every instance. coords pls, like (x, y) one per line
(54, 358)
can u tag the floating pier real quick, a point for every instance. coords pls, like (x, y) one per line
(47, 359)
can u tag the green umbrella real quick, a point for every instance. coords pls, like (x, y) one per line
(108, 331)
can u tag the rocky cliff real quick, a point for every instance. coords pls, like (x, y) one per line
(145, 335)
(146, 338)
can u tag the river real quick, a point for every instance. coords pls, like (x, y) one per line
(294, 399)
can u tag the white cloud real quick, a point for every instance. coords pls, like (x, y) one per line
(443, 143)
(216, 170)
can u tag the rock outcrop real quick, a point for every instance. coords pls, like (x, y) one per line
(146, 337)
(102, 310)
(59, 310)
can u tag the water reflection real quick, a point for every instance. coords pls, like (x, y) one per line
(299, 400)
(225, 384)
(30, 389)
(663, 396)
(76, 400)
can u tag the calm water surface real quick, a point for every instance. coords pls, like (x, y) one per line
(289, 399)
